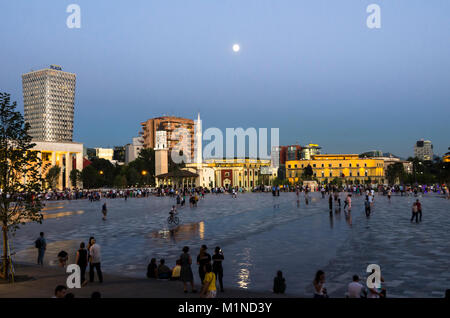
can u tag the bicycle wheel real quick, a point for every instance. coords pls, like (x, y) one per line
(176, 220)
(169, 220)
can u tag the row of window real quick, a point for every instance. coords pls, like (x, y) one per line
(366, 174)
(330, 165)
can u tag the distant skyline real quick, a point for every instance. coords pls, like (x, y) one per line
(311, 68)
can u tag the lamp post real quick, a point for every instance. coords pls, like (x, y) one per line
(144, 173)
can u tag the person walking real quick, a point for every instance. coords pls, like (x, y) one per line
(95, 261)
(82, 261)
(415, 213)
(203, 258)
(419, 210)
(104, 211)
(367, 206)
(41, 245)
(217, 266)
(186, 272)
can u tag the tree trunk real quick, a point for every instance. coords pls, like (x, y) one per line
(5, 262)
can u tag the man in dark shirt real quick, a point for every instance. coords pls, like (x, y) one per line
(164, 272)
(41, 245)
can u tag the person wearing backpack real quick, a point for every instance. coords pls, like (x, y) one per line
(41, 245)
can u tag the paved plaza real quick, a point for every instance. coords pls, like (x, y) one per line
(260, 234)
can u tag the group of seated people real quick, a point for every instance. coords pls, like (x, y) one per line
(162, 271)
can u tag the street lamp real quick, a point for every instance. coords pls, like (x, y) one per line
(101, 172)
(144, 172)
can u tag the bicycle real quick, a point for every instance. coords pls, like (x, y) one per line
(173, 219)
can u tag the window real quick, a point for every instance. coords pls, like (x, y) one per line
(314, 165)
(340, 165)
(331, 174)
(350, 165)
(351, 174)
(329, 165)
(289, 166)
(295, 166)
(322, 165)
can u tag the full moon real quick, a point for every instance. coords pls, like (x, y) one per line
(236, 47)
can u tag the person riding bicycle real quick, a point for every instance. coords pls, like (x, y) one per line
(173, 211)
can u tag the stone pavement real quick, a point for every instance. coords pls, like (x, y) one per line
(45, 279)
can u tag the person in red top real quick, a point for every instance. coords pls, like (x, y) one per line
(419, 209)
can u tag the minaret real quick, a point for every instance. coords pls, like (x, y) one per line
(198, 141)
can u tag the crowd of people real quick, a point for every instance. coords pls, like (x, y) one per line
(210, 270)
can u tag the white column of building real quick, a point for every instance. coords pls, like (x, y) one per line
(68, 169)
(79, 165)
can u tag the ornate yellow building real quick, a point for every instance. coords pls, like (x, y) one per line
(349, 167)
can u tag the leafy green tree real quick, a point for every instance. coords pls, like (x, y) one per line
(145, 166)
(132, 176)
(395, 172)
(106, 172)
(120, 181)
(90, 177)
(52, 176)
(20, 175)
(75, 177)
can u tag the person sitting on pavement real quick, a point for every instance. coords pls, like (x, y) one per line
(164, 272)
(176, 271)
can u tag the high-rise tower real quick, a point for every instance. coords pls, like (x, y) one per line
(49, 97)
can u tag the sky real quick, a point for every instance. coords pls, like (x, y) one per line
(311, 68)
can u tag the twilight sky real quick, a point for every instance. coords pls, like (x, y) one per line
(310, 67)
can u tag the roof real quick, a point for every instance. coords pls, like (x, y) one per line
(178, 174)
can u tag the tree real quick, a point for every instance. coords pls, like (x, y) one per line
(75, 177)
(89, 175)
(145, 166)
(52, 176)
(20, 175)
(132, 176)
(395, 172)
(120, 181)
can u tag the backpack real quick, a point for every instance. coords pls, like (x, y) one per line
(38, 243)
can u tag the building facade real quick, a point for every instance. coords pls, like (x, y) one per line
(132, 150)
(310, 150)
(68, 156)
(173, 126)
(104, 153)
(119, 153)
(423, 149)
(348, 167)
(49, 98)
(242, 173)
